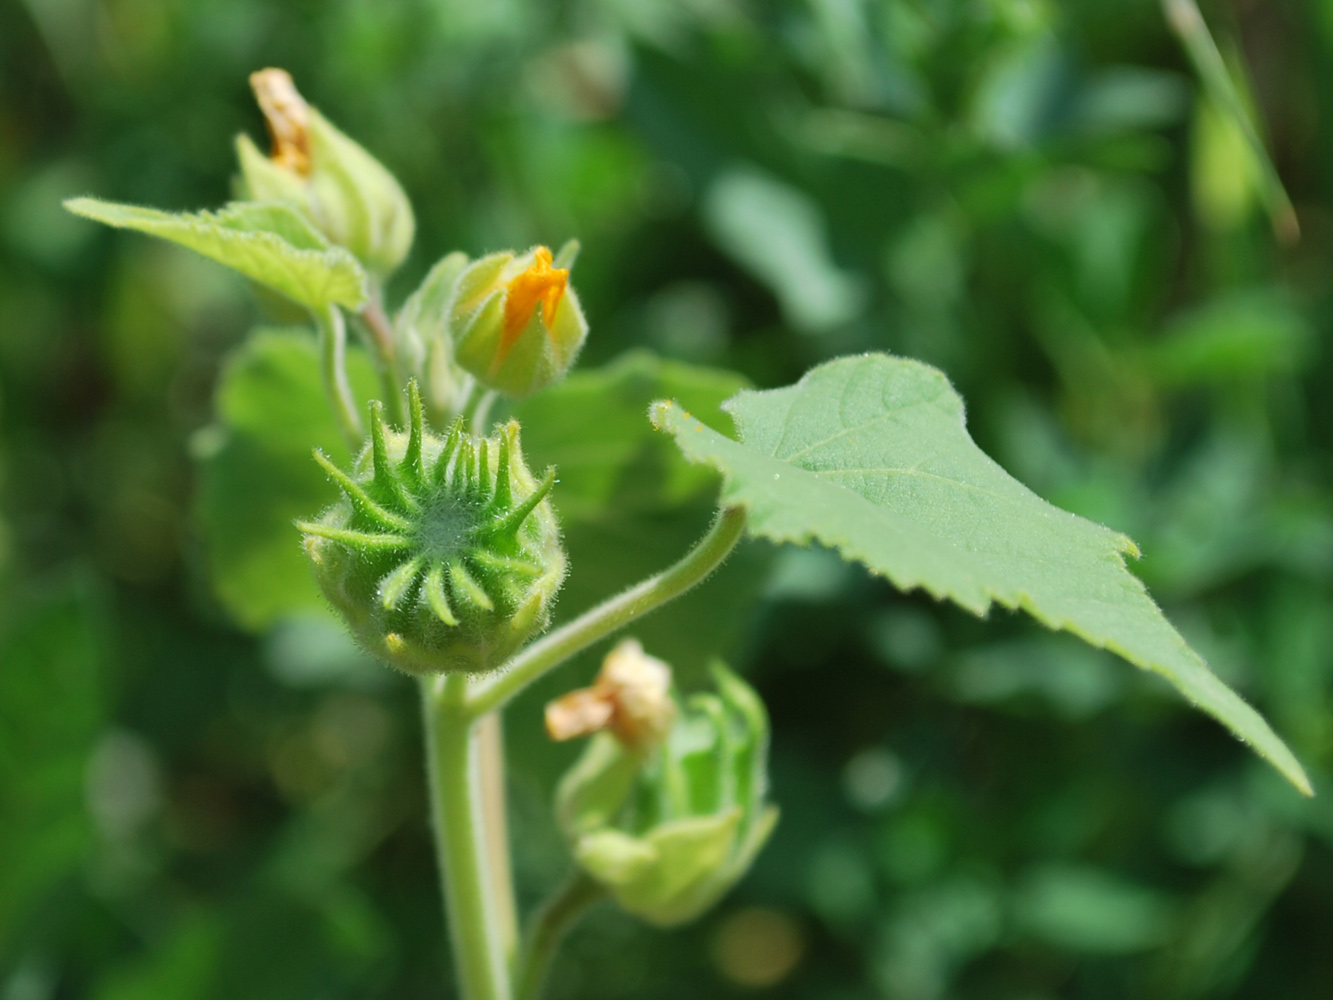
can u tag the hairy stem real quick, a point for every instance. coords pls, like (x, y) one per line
(377, 322)
(392, 378)
(552, 922)
(333, 367)
(558, 646)
(495, 823)
(454, 773)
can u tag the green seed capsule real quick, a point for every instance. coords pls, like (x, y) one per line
(442, 554)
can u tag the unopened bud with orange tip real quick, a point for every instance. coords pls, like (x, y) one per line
(516, 321)
(631, 697)
(345, 191)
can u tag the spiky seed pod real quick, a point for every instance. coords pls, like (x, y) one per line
(442, 554)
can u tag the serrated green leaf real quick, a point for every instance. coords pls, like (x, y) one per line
(257, 475)
(271, 243)
(871, 456)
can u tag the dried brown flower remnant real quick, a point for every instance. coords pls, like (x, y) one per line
(579, 713)
(631, 697)
(287, 116)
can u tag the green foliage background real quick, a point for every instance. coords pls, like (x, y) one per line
(1034, 196)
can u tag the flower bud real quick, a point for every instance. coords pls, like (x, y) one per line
(668, 830)
(347, 193)
(442, 554)
(516, 321)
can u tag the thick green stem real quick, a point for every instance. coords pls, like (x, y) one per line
(558, 646)
(333, 367)
(551, 924)
(454, 773)
(495, 823)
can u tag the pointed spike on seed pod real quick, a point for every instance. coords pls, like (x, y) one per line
(451, 478)
(510, 522)
(447, 452)
(484, 466)
(467, 588)
(396, 584)
(411, 465)
(436, 597)
(462, 473)
(358, 497)
(379, 452)
(504, 564)
(503, 497)
(470, 470)
(355, 539)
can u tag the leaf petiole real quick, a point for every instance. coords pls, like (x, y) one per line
(333, 366)
(556, 647)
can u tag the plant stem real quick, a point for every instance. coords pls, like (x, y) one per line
(454, 773)
(333, 367)
(549, 927)
(377, 323)
(490, 734)
(553, 649)
(392, 379)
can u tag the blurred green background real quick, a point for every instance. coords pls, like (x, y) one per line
(1037, 197)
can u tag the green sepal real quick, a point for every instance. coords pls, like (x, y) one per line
(595, 790)
(347, 193)
(263, 180)
(668, 833)
(355, 199)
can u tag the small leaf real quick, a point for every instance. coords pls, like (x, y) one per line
(257, 476)
(870, 455)
(271, 243)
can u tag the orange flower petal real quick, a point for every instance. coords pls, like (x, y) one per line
(541, 284)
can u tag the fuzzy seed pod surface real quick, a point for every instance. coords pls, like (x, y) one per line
(443, 554)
